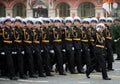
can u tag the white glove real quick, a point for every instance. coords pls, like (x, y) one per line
(23, 52)
(115, 40)
(42, 50)
(63, 50)
(14, 52)
(73, 48)
(51, 51)
(2, 53)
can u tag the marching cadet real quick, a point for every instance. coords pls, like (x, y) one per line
(37, 48)
(92, 29)
(45, 36)
(27, 40)
(17, 36)
(99, 52)
(108, 44)
(77, 43)
(57, 43)
(7, 34)
(85, 42)
(68, 44)
(52, 54)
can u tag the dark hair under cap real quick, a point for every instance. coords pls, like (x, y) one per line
(77, 20)
(29, 21)
(57, 21)
(38, 22)
(68, 21)
(85, 22)
(102, 20)
(18, 20)
(45, 21)
(93, 21)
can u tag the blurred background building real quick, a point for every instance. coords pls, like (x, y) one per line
(53, 8)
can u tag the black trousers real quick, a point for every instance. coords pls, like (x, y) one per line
(100, 58)
(58, 56)
(29, 63)
(46, 57)
(38, 58)
(19, 58)
(70, 56)
(77, 55)
(9, 59)
(86, 54)
(109, 57)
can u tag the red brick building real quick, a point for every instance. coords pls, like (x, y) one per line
(52, 8)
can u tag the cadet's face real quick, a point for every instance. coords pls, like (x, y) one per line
(77, 23)
(51, 23)
(37, 25)
(109, 23)
(86, 24)
(68, 24)
(57, 24)
(93, 24)
(8, 23)
(17, 23)
(46, 24)
(100, 29)
(29, 25)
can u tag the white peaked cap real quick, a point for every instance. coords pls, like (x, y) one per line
(30, 19)
(2, 19)
(100, 24)
(69, 19)
(46, 19)
(77, 18)
(12, 19)
(94, 19)
(58, 19)
(86, 20)
(38, 20)
(110, 19)
(102, 18)
(18, 18)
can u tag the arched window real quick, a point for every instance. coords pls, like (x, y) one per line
(63, 10)
(116, 12)
(19, 10)
(86, 9)
(2, 10)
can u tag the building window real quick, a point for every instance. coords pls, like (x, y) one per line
(116, 12)
(2, 10)
(63, 10)
(19, 10)
(86, 9)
